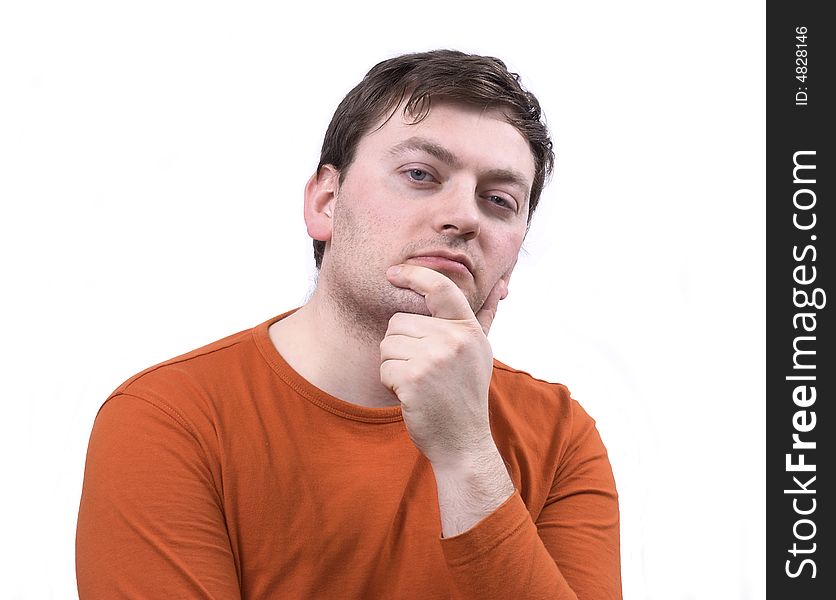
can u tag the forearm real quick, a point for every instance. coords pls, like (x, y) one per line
(494, 549)
(471, 488)
(502, 558)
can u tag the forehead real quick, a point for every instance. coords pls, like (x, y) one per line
(471, 136)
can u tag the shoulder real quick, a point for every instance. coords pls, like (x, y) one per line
(205, 364)
(192, 387)
(524, 390)
(542, 408)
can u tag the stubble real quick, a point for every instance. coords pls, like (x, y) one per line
(355, 275)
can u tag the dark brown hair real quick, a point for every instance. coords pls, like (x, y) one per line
(483, 81)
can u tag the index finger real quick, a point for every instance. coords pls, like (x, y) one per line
(486, 314)
(443, 297)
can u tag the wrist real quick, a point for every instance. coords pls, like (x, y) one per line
(469, 453)
(471, 488)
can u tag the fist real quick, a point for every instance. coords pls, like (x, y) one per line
(440, 366)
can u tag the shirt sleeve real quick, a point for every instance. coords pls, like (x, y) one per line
(151, 522)
(570, 551)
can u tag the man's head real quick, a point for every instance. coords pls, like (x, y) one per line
(412, 82)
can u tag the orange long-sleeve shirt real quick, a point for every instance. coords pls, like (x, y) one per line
(223, 474)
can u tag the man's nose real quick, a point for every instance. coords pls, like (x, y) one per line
(457, 212)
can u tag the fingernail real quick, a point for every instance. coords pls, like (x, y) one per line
(393, 271)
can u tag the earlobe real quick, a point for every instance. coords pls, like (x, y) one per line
(320, 192)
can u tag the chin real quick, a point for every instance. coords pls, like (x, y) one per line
(408, 301)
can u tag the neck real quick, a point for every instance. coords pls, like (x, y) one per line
(334, 351)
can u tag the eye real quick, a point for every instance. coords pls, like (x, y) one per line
(419, 175)
(502, 202)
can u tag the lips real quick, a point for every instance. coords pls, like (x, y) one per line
(441, 260)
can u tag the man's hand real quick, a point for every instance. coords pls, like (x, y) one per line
(440, 366)
(440, 369)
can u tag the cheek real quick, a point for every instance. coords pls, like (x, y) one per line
(362, 230)
(370, 202)
(504, 254)
(500, 267)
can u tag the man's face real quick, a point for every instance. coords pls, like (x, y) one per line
(449, 193)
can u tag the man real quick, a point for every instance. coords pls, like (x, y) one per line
(366, 445)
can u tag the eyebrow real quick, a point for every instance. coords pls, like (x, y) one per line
(510, 176)
(428, 146)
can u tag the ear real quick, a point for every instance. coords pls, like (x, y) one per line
(320, 192)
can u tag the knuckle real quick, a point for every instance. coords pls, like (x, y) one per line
(397, 322)
(458, 342)
(413, 377)
(437, 357)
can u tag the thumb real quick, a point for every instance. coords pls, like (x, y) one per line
(486, 314)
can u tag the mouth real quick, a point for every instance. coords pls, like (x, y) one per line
(449, 262)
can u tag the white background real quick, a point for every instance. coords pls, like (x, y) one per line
(152, 160)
